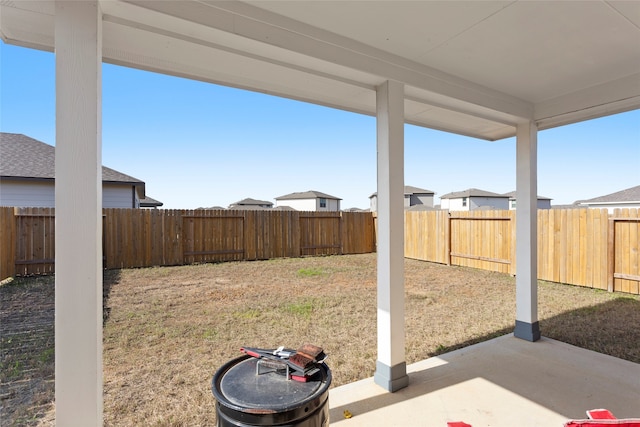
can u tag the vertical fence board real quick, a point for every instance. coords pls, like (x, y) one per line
(7, 242)
(634, 251)
(573, 245)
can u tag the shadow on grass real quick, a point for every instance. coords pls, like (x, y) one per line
(609, 328)
(27, 346)
(109, 278)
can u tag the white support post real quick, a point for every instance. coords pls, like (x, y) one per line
(391, 370)
(527, 326)
(78, 189)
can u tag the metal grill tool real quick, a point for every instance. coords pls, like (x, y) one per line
(297, 365)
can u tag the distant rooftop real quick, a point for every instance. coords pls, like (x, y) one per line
(307, 195)
(471, 192)
(249, 203)
(625, 196)
(512, 195)
(411, 190)
(24, 157)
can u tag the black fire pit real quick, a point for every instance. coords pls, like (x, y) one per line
(249, 396)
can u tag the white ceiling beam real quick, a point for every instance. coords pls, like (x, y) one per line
(265, 27)
(601, 100)
(27, 28)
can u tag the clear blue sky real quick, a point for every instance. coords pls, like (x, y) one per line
(200, 145)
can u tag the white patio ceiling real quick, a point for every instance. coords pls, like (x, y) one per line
(475, 68)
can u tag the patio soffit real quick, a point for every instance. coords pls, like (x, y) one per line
(469, 67)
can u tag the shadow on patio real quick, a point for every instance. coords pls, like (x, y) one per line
(506, 381)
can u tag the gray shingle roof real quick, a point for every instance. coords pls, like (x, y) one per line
(22, 157)
(627, 195)
(26, 157)
(252, 202)
(148, 202)
(408, 189)
(307, 195)
(512, 195)
(471, 192)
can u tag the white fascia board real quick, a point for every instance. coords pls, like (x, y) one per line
(608, 98)
(28, 28)
(272, 29)
(627, 202)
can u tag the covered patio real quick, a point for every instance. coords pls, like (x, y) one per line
(488, 70)
(501, 382)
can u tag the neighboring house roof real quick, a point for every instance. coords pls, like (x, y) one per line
(422, 208)
(471, 192)
(566, 207)
(629, 195)
(307, 195)
(148, 202)
(26, 158)
(248, 202)
(411, 190)
(512, 195)
(284, 208)
(249, 207)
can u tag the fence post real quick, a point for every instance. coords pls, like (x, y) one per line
(7, 242)
(611, 254)
(447, 240)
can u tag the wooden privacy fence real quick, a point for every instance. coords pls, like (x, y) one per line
(584, 247)
(154, 237)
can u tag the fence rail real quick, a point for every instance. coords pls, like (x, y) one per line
(584, 247)
(154, 237)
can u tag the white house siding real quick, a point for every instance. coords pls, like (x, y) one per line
(298, 204)
(454, 204)
(415, 199)
(542, 204)
(310, 204)
(409, 200)
(494, 203)
(119, 196)
(332, 205)
(35, 194)
(474, 203)
(27, 194)
(610, 206)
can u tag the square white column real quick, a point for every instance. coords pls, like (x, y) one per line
(527, 326)
(78, 189)
(391, 372)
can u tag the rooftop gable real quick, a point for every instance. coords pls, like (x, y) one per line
(472, 192)
(251, 202)
(512, 195)
(408, 190)
(24, 157)
(311, 194)
(627, 195)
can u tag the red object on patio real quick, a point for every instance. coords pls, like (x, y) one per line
(603, 418)
(603, 423)
(600, 414)
(457, 424)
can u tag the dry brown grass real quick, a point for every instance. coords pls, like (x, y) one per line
(168, 329)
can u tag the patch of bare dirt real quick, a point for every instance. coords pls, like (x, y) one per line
(26, 350)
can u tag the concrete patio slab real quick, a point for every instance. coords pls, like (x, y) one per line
(505, 381)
